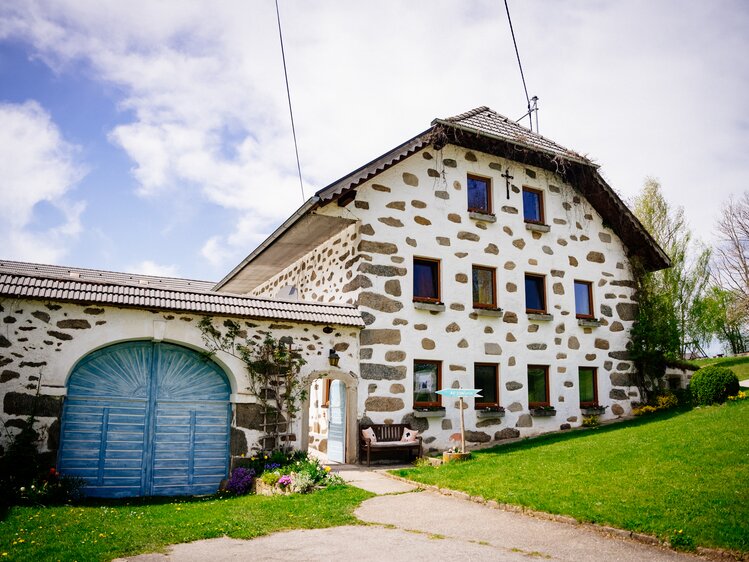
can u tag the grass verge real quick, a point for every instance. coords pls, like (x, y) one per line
(107, 530)
(661, 474)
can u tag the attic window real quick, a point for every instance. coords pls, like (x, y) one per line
(479, 195)
(533, 205)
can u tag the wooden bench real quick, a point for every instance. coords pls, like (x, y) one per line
(388, 439)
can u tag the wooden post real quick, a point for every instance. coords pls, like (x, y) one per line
(462, 429)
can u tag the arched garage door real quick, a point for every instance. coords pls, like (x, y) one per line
(146, 419)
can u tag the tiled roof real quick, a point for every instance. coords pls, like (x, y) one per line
(65, 272)
(485, 121)
(54, 283)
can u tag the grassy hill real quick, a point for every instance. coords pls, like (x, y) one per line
(659, 475)
(739, 365)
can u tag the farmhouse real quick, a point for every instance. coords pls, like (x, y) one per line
(475, 255)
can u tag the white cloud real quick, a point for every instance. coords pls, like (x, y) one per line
(647, 88)
(148, 267)
(36, 166)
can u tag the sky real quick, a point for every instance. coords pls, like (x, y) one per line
(154, 137)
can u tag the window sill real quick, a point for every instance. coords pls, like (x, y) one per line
(496, 312)
(588, 322)
(540, 317)
(537, 227)
(431, 306)
(483, 414)
(486, 217)
(429, 413)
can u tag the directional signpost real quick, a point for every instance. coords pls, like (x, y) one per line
(461, 393)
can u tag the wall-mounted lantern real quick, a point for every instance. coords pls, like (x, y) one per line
(333, 358)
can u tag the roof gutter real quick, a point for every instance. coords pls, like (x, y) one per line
(306, 207)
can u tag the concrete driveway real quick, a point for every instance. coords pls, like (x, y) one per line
(408, 524)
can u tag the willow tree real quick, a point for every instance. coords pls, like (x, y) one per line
(668, 323)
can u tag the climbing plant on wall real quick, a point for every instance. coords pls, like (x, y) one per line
(272, 366)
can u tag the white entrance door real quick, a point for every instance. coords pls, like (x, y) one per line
(337, 422)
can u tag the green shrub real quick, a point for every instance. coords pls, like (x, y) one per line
(714, 384)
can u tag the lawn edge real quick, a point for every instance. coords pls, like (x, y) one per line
(718, 554)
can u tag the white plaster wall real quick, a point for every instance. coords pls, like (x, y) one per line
(433, 215)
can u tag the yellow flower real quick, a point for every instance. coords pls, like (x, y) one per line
(327, 469)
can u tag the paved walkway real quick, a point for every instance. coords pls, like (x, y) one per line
(408, 524)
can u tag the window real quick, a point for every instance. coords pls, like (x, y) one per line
(538, 386)
(535, 293)
(479, 195)
(484, 287)
(533, 205)
(486, 378)
(588, 385)
(427, 381)
(426, 280)
(584, 299)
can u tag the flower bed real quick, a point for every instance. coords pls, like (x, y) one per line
(294, 473)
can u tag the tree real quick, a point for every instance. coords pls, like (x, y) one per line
(674, 292)
(731, 262)
(721, 314)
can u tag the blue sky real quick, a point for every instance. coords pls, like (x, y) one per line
(154, 137)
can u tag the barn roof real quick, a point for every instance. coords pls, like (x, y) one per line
(89, 286)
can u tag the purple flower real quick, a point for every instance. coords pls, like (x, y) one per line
(284, 481)
(240, 482)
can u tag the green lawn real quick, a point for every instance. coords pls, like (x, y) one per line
(114, 529)
(739, 365)
(657, 475)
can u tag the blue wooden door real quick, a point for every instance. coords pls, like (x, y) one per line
(337, 423)
(144, 418)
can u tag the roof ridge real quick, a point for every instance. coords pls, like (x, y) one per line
(87, 269)
(470, 113)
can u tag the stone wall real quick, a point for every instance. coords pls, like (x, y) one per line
(418, 208)
(321, 275)
(41, 342)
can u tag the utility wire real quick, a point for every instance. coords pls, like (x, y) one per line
(520, 65)
(288, 96)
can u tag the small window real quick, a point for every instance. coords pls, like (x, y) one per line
(427, 381)
(486, 379)
(588, 384)
(538, 386)
(584, 299)
(535, 293)
(484, 287)
(533, 205)
(426, 280)
(479, 195)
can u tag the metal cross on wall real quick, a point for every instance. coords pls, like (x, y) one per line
(507, 178)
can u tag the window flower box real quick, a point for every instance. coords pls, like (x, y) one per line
(490, 412)
(430, 412)
(593, 410)
(543, 412)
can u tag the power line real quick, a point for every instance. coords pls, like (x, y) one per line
(522, 75)
(288, 96)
